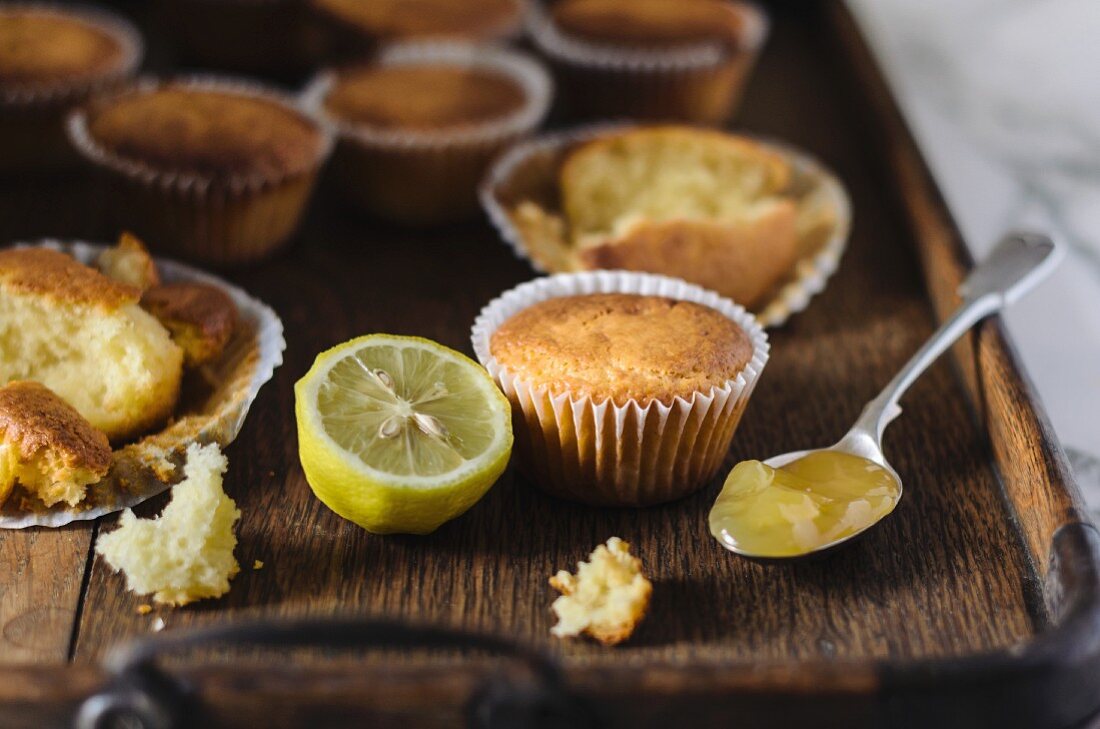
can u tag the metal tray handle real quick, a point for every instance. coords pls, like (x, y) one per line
(141, 695)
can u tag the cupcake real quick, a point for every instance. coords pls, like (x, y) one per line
(626, 388)
(351, 28)
(650, 59)
(214, 170)
(52, 58)
(222, 34)
(755, 221)
(419, 126)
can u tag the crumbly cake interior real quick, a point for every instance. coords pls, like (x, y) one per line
(85, 338)
(46, 446)
(119, 370)
(667, 173)
(607, 597)
(186, 553)
(129, 263)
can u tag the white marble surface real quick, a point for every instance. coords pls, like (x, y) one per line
(1004, 99)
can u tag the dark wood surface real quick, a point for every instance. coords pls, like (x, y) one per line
(968, 585)
(946, 575)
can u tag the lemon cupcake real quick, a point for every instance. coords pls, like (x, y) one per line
(650, 59)
(210, 169)
(626, 388)
(419, 125)
(52, 58)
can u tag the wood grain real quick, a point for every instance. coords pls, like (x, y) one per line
(956, 571)
(1005, 400)
(40, 580)
(927, 584)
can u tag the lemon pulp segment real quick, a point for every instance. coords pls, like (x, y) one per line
(803, 505)
(405, 411)
(400, 433)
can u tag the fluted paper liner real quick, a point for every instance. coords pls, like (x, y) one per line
(600, 452)
(529, 171)
(699, 83)
(429, 175)
(215, 413)
(219, 219)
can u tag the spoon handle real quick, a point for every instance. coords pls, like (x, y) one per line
(1018, 262)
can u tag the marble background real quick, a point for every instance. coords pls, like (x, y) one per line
(1004, 98)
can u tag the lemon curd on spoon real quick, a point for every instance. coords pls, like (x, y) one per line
(801, 506)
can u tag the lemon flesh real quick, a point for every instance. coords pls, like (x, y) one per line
(400, 434)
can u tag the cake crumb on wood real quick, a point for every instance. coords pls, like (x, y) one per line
(606, 599)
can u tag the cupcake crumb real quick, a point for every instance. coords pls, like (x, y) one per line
(144, 609)
(258, 565)
(605, 599)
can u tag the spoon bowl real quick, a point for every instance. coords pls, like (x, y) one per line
(855, 443)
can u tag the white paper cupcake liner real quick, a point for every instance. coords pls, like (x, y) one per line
(529, 168)
(221, 219)
(147, 467)
(65, 92)
(430, 176)
(604, 453)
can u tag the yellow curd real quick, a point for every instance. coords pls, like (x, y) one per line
(801, 506)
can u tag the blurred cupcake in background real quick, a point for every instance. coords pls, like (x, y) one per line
(270, 37)
(419, 125)
(354, 28)
(686, 60)
(52, 58)
(209, 169)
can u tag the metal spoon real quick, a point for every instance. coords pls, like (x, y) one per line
(1014, 267)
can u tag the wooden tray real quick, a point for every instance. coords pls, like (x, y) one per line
(976, 604)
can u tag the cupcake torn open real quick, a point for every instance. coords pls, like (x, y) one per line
(756, 221)
(213, 402)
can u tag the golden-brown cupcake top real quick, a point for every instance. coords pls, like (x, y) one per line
(622, 346)
(403, 19)
(207, 132)
(200, 317)
(657, 24)
(32, 417)
(206, 307)
(44, 47)
(423, 96)
(56, 276)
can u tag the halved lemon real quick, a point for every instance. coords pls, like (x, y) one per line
(400, 434)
